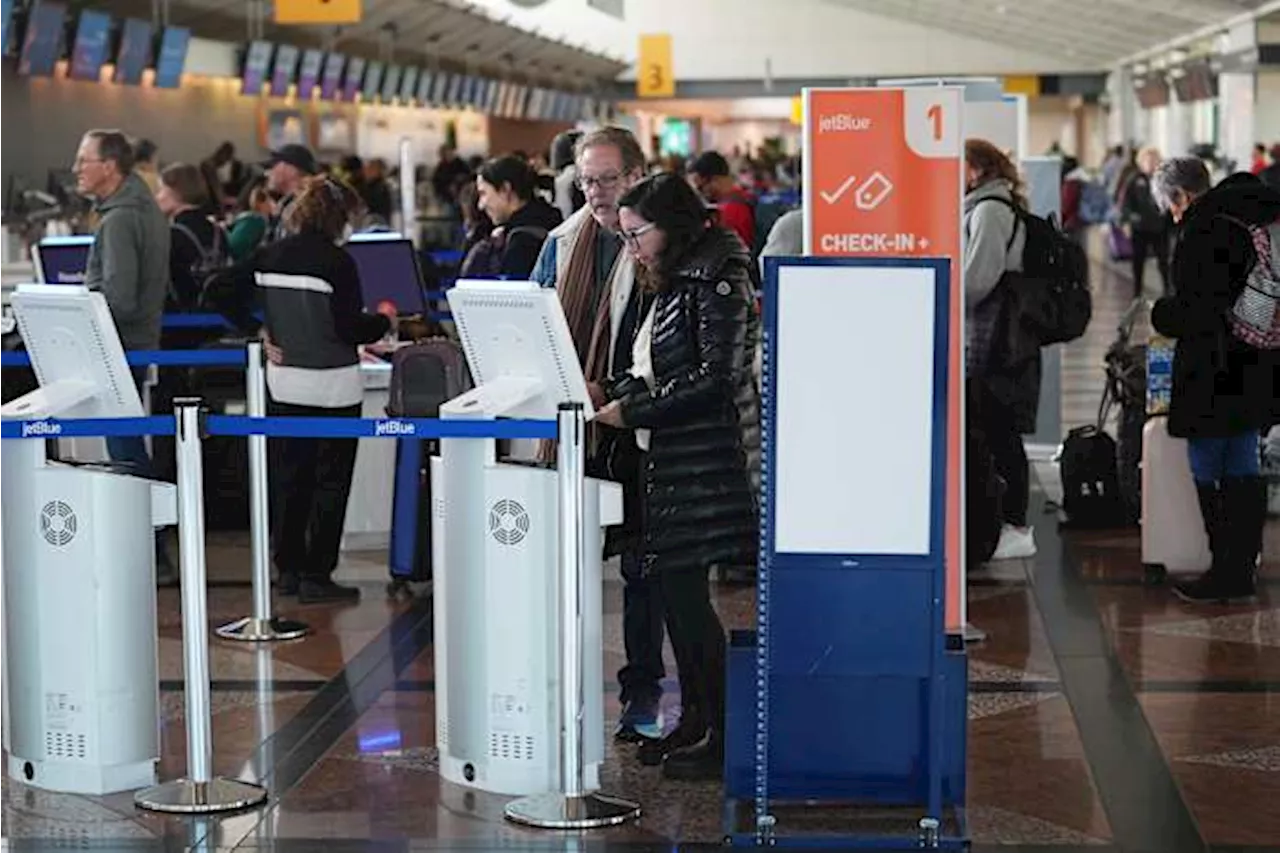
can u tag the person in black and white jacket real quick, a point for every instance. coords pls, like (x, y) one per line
(314, 320)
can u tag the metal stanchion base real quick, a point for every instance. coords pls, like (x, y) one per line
(183, 796)
(250, 630)
(560, 811)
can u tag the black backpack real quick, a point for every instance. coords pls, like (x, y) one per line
(1054, 301)
(485, 258)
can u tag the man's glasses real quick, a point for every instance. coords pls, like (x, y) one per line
(604, 182)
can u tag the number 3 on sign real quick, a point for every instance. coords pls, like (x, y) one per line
(932, 118)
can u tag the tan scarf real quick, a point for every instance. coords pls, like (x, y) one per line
(591, 332)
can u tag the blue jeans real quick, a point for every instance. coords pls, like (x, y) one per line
(131, 449)
(1214, 459)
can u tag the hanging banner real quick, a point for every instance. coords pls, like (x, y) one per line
(655, 71)
(318, 11)
(884, 178)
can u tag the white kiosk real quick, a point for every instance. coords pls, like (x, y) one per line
(79, 566)
(496, 537)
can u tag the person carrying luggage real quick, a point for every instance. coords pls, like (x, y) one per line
(1225, 384)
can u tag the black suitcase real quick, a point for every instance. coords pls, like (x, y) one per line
(423, 377)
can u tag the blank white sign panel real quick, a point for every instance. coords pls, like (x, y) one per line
(854, 380)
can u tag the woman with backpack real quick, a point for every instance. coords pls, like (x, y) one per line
(1005, 391)
(1225, 378)
(520, 218)
(197, 244)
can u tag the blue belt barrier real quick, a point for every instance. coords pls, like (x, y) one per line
(286, 427)
(161, 358)
(447, 257)
(89, 427)
(378, 428)
(195, 321)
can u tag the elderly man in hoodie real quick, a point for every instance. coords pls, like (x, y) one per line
(129, 259)
(129, 265)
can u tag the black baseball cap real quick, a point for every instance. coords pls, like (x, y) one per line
(298, 156)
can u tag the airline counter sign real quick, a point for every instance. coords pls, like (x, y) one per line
(883, 171)
(883, 178)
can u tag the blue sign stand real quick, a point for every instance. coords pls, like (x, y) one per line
(847, 693)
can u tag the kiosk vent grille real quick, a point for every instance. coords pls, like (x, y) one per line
(510, 747)
(57, 523)
(508, 522)
(65, 745)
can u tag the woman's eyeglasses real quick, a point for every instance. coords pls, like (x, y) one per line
(633, 236)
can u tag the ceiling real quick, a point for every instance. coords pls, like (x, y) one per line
(449, 33)
(1093, 34)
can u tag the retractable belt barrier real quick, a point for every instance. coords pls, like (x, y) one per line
(200, 792)
(158, 357)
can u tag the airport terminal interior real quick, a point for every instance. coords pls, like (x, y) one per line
(620, 425)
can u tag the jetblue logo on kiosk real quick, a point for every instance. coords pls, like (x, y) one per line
(41, 428)
(394, 428)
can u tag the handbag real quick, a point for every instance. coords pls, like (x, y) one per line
(1255, 316)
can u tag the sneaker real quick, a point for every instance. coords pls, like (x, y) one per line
(640, 722)
(1016, 543)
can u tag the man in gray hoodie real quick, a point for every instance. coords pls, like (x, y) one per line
(129, 259)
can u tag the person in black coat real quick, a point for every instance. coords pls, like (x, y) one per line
(690, 397)
(1224, 390)
(1148, 224)
(521, 221)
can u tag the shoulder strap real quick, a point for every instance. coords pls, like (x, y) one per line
(1017, 216)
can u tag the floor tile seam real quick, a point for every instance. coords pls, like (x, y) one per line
(1082, 716)
(408, 621)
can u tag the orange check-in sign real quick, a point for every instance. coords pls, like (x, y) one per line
(883, 178)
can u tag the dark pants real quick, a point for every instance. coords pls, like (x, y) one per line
(310, 484)
(1010, 455)
(698, 640)
(1154, 243)
(641, 677)
(132, 449)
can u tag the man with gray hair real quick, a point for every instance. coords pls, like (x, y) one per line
(583, 258)
(129, 258)
(1226, 384)
(129, 265)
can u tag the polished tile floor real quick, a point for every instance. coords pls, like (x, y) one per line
(1103, 715)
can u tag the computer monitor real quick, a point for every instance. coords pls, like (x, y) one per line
(389, 272)
(76, 355)
(62, 260)
(519, 349)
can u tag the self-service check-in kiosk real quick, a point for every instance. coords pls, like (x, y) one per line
(79, 565)
(496, 540)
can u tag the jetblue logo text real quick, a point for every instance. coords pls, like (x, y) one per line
(41, 428)
(394, 428)
(843, 122)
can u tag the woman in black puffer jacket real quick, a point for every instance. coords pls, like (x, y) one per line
(690, 397)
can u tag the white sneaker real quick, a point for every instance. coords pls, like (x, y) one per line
(1016, 543)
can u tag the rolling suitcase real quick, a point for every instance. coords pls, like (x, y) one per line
(423, 376)
(1173, 537)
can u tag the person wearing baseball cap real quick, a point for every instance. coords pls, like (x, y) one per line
(285, 170)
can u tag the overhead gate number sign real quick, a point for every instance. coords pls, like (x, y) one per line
(883, 178)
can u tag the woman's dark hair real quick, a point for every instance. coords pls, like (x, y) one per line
(671, 204)
(187, 183)
(324, 204)
(512, 171)
(993, 164)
